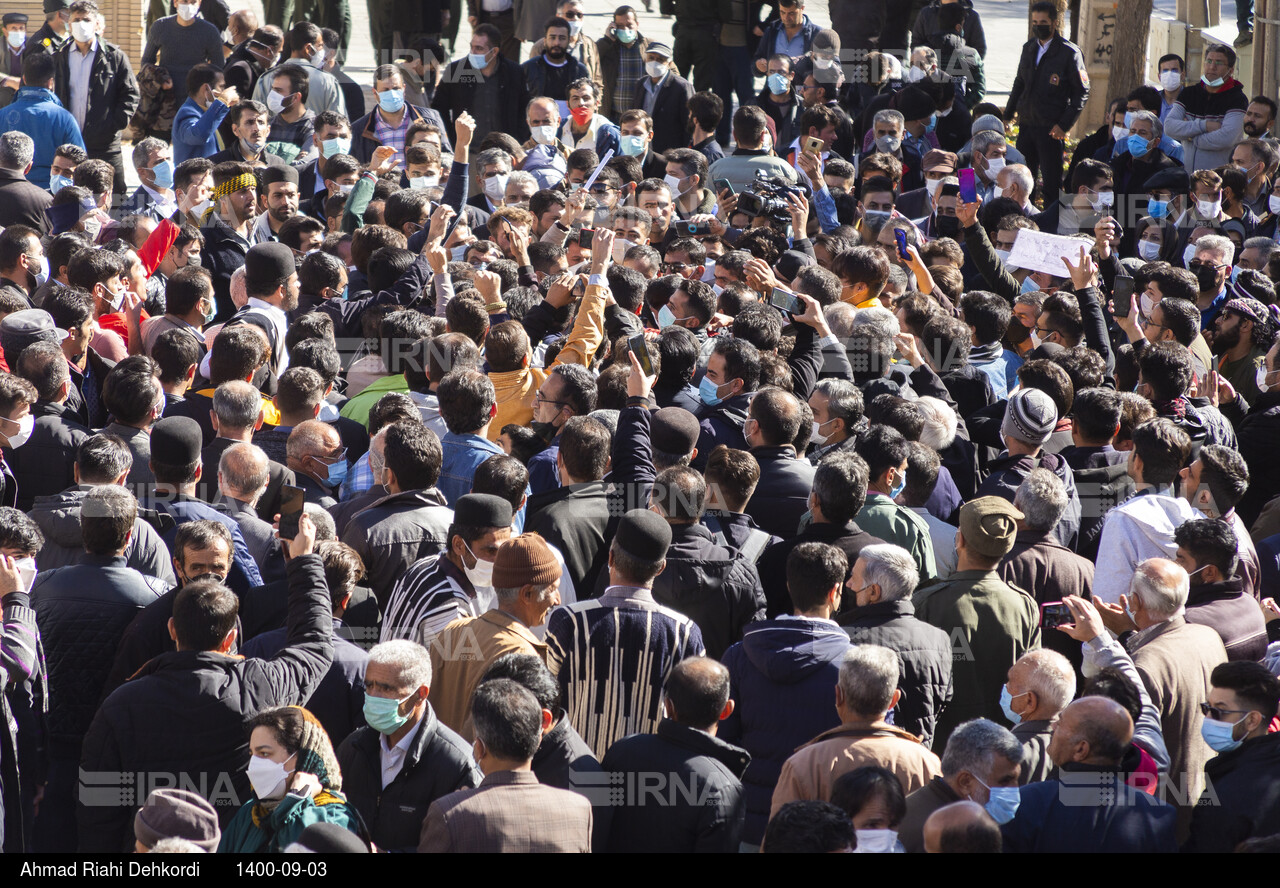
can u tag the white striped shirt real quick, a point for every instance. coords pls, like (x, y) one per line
(427, 598)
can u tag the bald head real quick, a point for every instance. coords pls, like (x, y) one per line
(698, 693)
(312, 438)
(1041, 683)
(1091, 731)
(243, 472)
(961, 828)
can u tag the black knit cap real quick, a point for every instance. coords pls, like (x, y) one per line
(177, 440)
(278, 172)
(267, 263)
(643, 535)
(481, 510)
(673, 430)
(327, 838)
(914, 103)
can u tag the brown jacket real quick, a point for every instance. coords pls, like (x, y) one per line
(814, 767)
(1175, 659)
(461, 654)
(510, 812)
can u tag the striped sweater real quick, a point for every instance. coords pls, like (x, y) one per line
(432, 594)
(612, 656)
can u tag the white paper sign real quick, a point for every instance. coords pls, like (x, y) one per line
(1038, 251)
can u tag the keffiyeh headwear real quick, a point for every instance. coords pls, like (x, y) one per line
(231, 186)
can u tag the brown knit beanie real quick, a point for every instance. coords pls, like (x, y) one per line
(177, 814)
(525, 560)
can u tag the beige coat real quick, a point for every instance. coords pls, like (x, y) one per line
(814, 767)
(463, 651)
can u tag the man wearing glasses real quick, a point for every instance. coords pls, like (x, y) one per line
(318, 461)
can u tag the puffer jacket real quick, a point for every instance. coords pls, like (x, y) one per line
(45, 465)
(782, 675)
(437, 763)
(1009, 471)
(1101, 488)
(183, 713)
(924, 656)
(82, 611)
(712, 585)
(58, 518)
(395, 532)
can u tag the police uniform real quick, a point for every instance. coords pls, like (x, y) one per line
(1047, 94)
(46, 39)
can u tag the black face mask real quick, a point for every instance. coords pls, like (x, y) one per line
(1206, 278)
(1042, 32)
(946, 226)
(544, 430)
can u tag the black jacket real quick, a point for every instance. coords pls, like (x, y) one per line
(45, 465)
(670, 111)
(457, 91)
(848, 538)
(183, 713)
(437, 763)
(924, 654)
(561, 757)
(1053, 92)
(1259, 438)
(223, 253)
(277, 476)
(782, 495)
(82, 611)
(396, 531)
(22, 203)
(575, 520)
(708, 819)
(928, 30)
(363, 140)
(113, 95)
(1241, 803)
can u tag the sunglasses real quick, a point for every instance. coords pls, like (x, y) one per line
(1217, 714)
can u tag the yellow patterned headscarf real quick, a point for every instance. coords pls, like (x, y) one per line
(231, 186)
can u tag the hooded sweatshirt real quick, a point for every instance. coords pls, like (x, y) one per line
(783, 673)
(1140, 528)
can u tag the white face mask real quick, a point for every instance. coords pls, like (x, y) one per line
(26, 571)
(1208, 209)
(1273, 203)
(994, 166)
(876, 841)
(1119, 133)
(275, 102)
(267, 778)
(1261, 378)
(1148, 250)
(1188, 254)
(23, 434)
(317, 58)
(1003, 256)
(187, 11)
(655, 69)
(996, 192)
(1035, 339)
(674, 184)
(424, 181)
(1146, 305)
(495, 188)
(915, 75)
(932, 185)
(482, 573)
(543, 135)
(1170, 80)
(16, 39)
(620, 247)
(83, 32)
(816, 434)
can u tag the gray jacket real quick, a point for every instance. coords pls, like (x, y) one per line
(396, 531)
(58, 518)
(1105, 651)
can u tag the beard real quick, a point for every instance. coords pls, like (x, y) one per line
(556, 53)
(282, 214)
(1226, 340)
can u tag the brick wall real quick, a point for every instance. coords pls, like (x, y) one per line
(125, 21)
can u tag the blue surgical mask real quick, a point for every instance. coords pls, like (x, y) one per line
(458, 253)
(709, 392)
(1006, 704)
(346, 292)
(897, 491)
(391, 100)
(1213, 84)
(212, 312)
(666, 317)
(337, 473)
(932, 124)
(331, 147)
(1004, 801)
(383, 713)
(634, 146)
(1157, 209)
(1218, 735)
(478, 61)
(778, 84)
(163, 172)
(1029, 285)
(57, 183)
(1138, 146)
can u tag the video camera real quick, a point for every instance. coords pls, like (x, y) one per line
(767, 196)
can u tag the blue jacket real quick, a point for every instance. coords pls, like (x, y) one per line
(764, 49)
(244, 573)
(543, 473)
(463, 454)
(195, 132)
(783, 675)
(37, 112)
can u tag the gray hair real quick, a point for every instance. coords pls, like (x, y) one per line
(245, 470)
(841, 317)
(844, 400)
(888, 115)
(974, 746)
(880, 318)
(1151, 586)
(494, 156)
(16, 150)
(237, 404)
(868, 678)
(891, 568)
(940, 423)
(1223, 246)
(986, 139)
(175, 845)
(927, 55)
(1021, 174)
(326, 530)
(520, 177)
(1051, 676)
(507, 596)
(144, 149)
(1157, 128)
(1264, 245)
(410, 660)
(1042, 498)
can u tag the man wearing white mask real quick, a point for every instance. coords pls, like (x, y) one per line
(457, 583)
(1015, 182)
(182, 41)
(1208, 117)
(989, 150)
(664, 95)
(16, 424)
(323, 92)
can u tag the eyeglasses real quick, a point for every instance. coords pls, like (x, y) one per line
(674, 267)
(1043, 331)
(1200, 263)
(332, 460)
(1217, 714)
(539, 399)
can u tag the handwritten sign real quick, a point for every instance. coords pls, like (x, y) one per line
(1038, 251)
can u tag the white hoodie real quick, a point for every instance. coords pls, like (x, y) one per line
(1139, 528)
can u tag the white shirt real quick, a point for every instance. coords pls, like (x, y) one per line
(587, 139)
(392, 758)
(166, 205)
(279, 362)
(1044, 47)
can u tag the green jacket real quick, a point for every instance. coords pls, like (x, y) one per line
(358, 407)
(284, 824)
(882, 517)
(991, 625)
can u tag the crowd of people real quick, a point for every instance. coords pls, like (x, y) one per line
(553, 457)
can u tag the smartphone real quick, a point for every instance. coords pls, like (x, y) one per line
(901, 237)
(586, 237)
(968, 186)
(580, 288)
(1054, 614)
(1123, 295)
(683, 229)
(812, 144)
(723, 185)
(787, 301)
(640, 348)
(291, 502)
